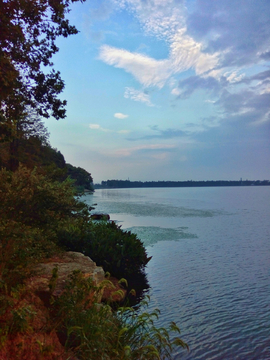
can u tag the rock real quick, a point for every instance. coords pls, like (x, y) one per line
(100, 216)
(42, 339)
(66, 264)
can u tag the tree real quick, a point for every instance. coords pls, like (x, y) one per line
(83, 179)
(28, 31)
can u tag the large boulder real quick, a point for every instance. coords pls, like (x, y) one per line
(66, 264)
(42, 339)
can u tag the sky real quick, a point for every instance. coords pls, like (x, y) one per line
(166, 90)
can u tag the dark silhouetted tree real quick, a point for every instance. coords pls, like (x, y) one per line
(28, 31)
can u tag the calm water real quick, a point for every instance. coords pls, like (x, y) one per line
(210, 271)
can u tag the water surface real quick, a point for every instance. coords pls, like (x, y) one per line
(211, 263)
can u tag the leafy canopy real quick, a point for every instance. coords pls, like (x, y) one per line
(28, 31)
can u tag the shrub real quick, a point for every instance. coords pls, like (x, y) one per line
(139, 338)
(20, 247)
(94, 331)
(32, 210)
(119, 252)
(34, 200)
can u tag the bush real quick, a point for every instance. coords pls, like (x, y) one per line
(20, 247)
(94, 331)
(34, 200)
(119, 252)
(32, 210)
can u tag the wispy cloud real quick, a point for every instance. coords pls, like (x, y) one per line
(162, 134)
(143, 148)
(213, 85)
(146, 70)
(120, 116)
(185, 53)
(137, 95)
(241, 33)
(99, 128)
(248, 106)
(165, 20)
(214, 39)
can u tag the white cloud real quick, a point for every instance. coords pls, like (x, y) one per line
(158, 17)
(98, 127)
(94, 126)
(186, 53)
(176, 91)
(146, 70)
(233, 76)
(265, 90)
(137, 95)
(120, 116)
(166, 20)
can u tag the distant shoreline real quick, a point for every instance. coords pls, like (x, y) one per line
(125, 184)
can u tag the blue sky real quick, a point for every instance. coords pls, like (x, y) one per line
(167, 90)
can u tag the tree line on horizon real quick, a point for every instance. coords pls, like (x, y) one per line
(110, 184)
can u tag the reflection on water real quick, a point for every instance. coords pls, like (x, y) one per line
(211, 263)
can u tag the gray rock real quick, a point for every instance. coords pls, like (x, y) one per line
(66, 264)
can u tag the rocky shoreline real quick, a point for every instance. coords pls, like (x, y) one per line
(41, 335)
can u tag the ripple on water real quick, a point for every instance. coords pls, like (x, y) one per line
(214, 281)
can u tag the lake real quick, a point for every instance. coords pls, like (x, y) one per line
(210, 271)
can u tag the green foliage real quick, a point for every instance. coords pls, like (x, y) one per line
(94, 331)
(31, 199)
(20, 247)
(20, 319)
(119, 252)
(83, 179)
(16, 314)
(32, 211)
(85, 325)
(28, 33)
(141, 339)
(32, 150)
(27, 43)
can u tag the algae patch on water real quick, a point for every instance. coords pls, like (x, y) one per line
(155, 209)
(150, 235)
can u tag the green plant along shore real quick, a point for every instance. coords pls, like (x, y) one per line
(41, 216)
